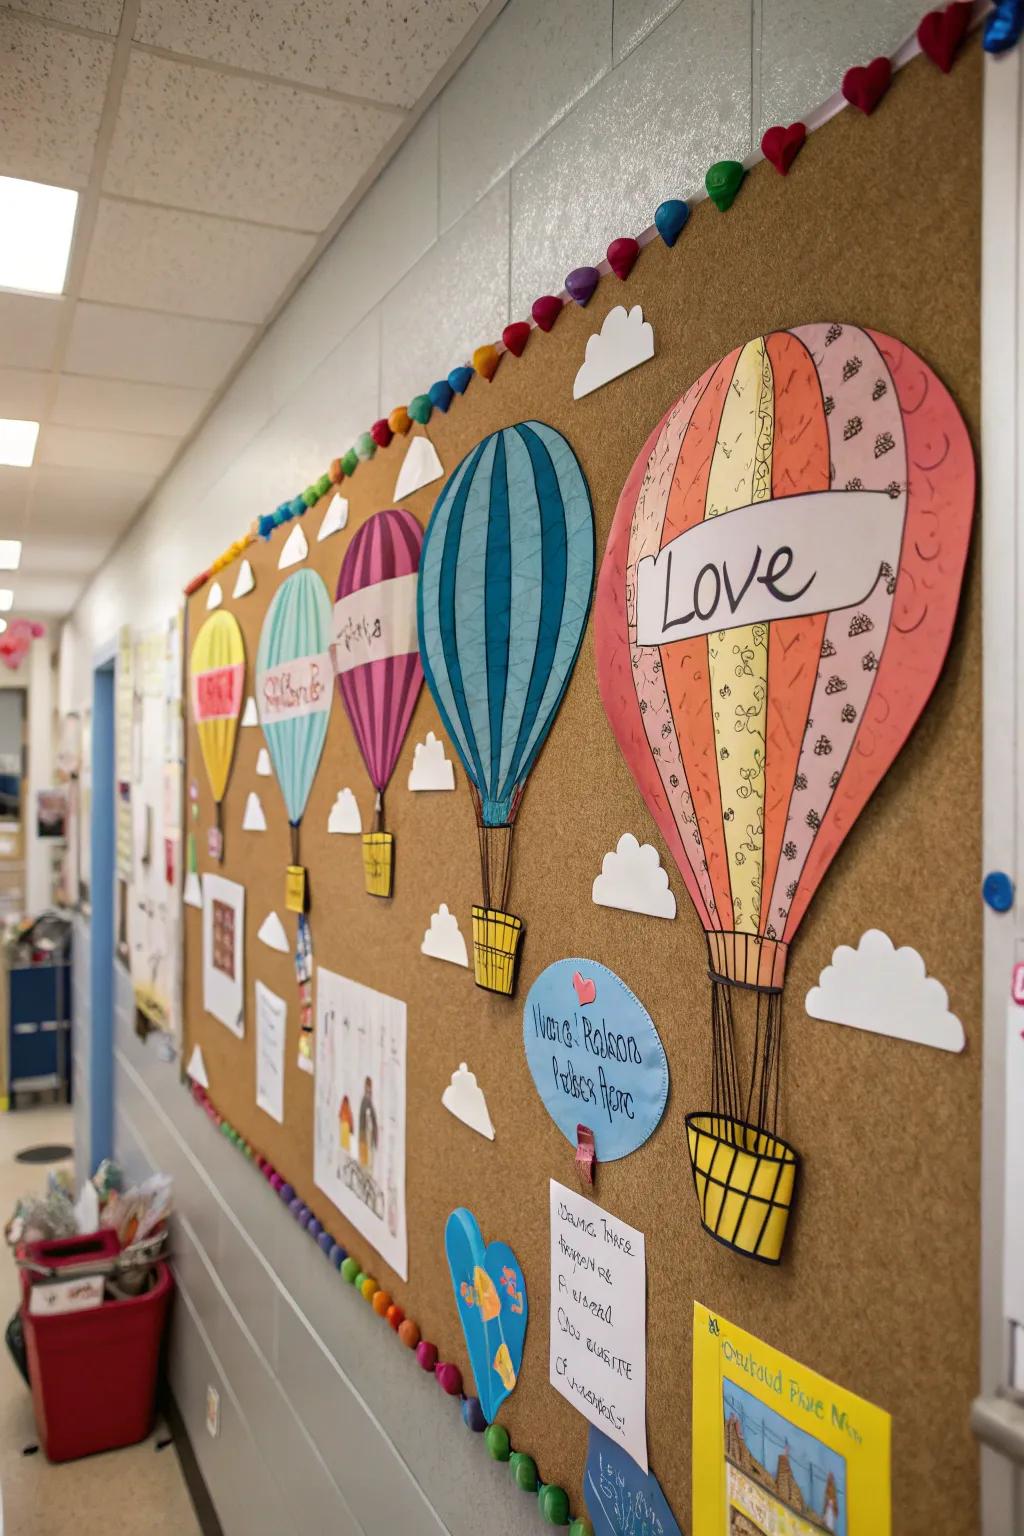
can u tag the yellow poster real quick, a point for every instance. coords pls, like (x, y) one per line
(777, 1449)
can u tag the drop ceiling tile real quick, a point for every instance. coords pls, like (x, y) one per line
(189, 263)
(389, 50)
(23, 393)
(107, 341)
(28, 330)
(46, 595)
(106, 498)
(116, 406)
(194, 138)
(76, 448)
(96, 15)
(54, 87)
(71, 553)
(15, 485)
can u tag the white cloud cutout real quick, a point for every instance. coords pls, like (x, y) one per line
(623, 342)
(633, 879)
(254, 819)
(263, 767)
(215, 596)
(293, 549)
(345, 815)
(192, 895)
(421, 466)
(887, 991)
(443, 940)
(334, 518)
(245, 581)
(272, 933)
(465, 1099)
(196, 1068)
(430, 768)
(250, 714)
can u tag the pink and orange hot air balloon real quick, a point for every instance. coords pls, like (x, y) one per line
(377, 661)
(774, 608)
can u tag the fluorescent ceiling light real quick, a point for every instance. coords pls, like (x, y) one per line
(3, 625)
(6, 599)
(10, 554)
(38, 222)
(18, 442)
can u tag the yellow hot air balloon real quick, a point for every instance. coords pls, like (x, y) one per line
(218, 676)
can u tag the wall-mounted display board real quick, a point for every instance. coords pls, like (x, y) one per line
(875, 229)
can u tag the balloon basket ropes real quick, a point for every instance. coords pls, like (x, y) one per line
(496, 938)
(745, 1179)
(378, 862)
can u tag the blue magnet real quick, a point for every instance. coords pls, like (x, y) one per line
(1003, 26)
(670, 219)
(997, 891)
(459, 379)
(441, 394)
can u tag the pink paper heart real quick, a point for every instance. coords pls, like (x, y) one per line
(586, 989)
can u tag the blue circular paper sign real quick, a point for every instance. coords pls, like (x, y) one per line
(595, 1055)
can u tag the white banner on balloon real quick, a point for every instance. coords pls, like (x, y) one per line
(375, 623)
(294, 688)
(773, 560)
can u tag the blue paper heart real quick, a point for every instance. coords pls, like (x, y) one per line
(459, 379)
(670, 219)
(490, 1297)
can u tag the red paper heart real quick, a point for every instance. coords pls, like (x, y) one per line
(940, 33)
(546, 310)
(515, 337)
(865, 85)
(586, 988)
(782, 145)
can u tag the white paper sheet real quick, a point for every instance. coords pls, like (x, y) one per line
(223, 951)
(598, 1359)
(271, 1023)
(359, 1154)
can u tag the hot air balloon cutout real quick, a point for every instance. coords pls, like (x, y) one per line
(505, 585)
(773, 611)
(293, 695)
(218, 677)
(377, 661)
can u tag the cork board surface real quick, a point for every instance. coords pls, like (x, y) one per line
(877, 225)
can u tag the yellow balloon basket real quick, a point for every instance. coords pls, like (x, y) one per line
(495, 947)
(745, 1179)
(378, 862)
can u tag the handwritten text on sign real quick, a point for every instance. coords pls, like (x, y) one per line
(295, 688)
(375, 623)
(217, 694)
(598, 1352)
(773, 560)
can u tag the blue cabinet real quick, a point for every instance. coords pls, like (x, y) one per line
(39, 1027)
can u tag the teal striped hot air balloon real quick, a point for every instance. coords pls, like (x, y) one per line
(504, 593)
(295, 684)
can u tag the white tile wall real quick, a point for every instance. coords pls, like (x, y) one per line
(547, 145)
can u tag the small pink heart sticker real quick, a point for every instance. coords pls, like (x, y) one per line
(586, 990)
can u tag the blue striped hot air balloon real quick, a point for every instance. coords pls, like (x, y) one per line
(505, 585)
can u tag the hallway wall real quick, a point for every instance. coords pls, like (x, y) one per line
(566, 127)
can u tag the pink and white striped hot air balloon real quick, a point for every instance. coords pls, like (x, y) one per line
(376, 658)
(773, 611)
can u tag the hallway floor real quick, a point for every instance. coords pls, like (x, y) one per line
(138, 1490)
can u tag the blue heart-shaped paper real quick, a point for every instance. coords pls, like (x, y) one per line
(490, 1296)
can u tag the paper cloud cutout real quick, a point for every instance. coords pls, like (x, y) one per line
(263, 767)
(250, 714)
(272, 933)
(632, 878)
(245, 581)
(887, 991)
(421, 466)
(623, 342)
(293, 550)
(254, 820)
(465, 1099)
(215, 596)
(443, 939)
(345, 815)
(192, 895)
(334, 518)
(196, 1068)
(430, 768)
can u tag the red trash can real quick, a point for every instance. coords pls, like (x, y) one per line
(93, 1373)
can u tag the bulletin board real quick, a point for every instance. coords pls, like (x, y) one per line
(876, 225)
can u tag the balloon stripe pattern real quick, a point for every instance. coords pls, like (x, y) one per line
(505, 587)
(218, 673)
(293, 684)
(379, 691)
(757, 744)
